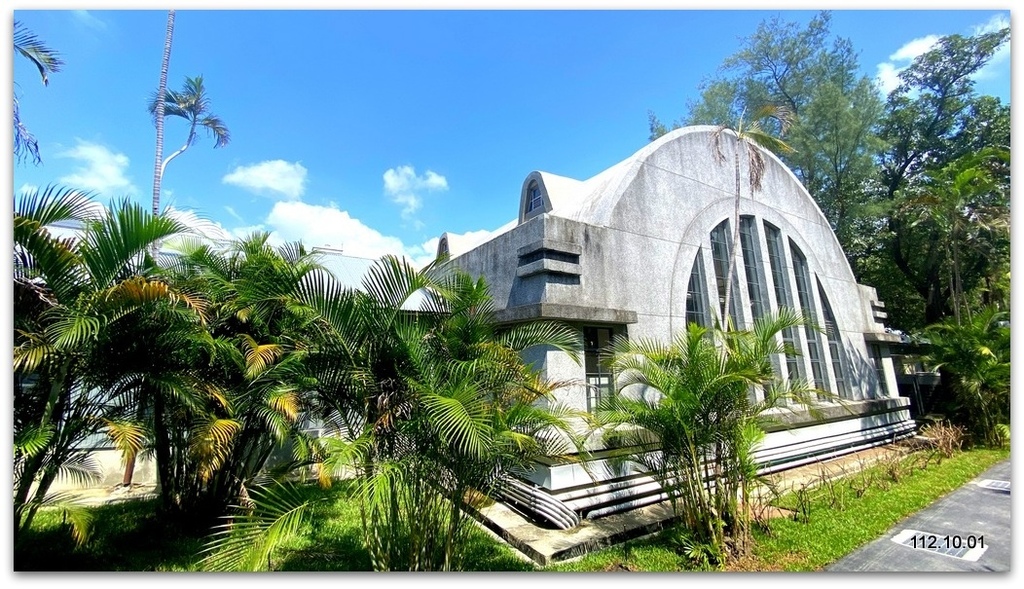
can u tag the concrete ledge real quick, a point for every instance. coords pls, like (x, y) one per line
(875, 336)
(548, 267)
(828, 413)
(550, 244)
(545, 546)
(565, 313)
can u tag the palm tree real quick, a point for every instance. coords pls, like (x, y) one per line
(69, 294)
(973, 357)
(697, 431)
(159, 113)
(963, 200)
(47, 61)
(430, 408)
(750, 136)
(249, 368)
(193, 105)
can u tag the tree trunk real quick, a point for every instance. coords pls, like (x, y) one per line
(129, 459)
(168, 487)
(160, 105)
(735, 241)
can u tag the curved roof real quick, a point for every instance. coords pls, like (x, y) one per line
(685, 152)
(593, 200)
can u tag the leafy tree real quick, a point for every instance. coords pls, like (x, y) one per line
(967, 207)
(932, 119)
(47, 61)
(834, 109)
(689, 407)
(68, 293)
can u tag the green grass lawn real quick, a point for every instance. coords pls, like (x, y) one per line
(838, 520)
(130, 537)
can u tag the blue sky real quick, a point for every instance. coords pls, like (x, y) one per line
(378, 131)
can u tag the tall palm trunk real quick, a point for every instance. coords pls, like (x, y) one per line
(735, 241)
(161, 91)
(129, 469)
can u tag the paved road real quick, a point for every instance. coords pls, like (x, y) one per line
(972, 516)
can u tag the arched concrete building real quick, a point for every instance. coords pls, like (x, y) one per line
(642, 248)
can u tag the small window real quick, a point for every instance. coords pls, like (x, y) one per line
(536, 199)
(600, 381)
(442, 247)
(877, 359)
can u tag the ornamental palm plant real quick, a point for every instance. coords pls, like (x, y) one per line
(69, 294)
(253, 359)
(432, 405)
(688, 408)
(973, 356)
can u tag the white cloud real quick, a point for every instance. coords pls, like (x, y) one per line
(330, 226)
(89, 20)
(463, 242)
(275, 176)
(997, 22)
(246, 231)
(910, 50)
(28, 188)
(102, 171)
(232, 212)
(887, 78)
(404, 187)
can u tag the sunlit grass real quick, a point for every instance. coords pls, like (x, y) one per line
(834, 528)
(129, 536)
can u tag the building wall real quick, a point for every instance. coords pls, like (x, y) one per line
(637, 243)
(621, 255)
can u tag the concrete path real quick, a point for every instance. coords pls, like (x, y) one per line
(967, 530)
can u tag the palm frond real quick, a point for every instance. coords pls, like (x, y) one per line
(210, 443)
(29, 46)
(247, 540)
(32, 440)
(129, 437)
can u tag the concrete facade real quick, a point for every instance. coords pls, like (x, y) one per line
(622, 253)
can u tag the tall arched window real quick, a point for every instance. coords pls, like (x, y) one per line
(783, 296)
(753, 268)
(835, 343)
(806, 298)
(696, 293)
(720, 252)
